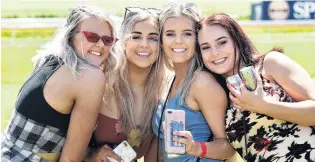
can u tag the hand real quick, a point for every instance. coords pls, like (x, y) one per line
(101, 154)
(192, 148)
(246, 100)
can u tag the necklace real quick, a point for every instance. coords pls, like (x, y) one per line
(134, 138)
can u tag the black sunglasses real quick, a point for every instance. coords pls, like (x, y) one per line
(192, 6)
(129, 10)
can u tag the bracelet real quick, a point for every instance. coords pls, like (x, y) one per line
(203, 149)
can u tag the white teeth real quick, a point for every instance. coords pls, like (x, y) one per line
(179, 49)
(95, 53)
(143, 54)
(219, 61)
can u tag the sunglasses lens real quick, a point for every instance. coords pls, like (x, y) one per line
(91, 37)
(107, 40)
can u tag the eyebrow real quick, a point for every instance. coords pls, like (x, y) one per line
(183, 30)
(136, 32)
(215, 40)
(220, 38)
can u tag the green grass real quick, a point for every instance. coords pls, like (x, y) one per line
(27, 32)
(51, 8)
(16, 61)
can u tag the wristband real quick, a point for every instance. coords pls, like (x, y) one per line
(203, 149)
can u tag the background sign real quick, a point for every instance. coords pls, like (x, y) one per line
(284, 10)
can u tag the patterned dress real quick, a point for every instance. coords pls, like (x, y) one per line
(25, 137)
(269, 139)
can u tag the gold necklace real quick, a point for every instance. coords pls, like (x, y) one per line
(134, 138)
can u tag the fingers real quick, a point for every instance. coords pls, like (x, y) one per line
(184, 141)
(243, 88)
(185, 134)
(113, 155)
(234, 99)
(233, 90)
(106, 147)
(107, 151)
(236, 102)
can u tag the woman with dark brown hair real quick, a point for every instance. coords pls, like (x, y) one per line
(275, 122)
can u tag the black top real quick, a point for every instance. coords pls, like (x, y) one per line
(31, 102)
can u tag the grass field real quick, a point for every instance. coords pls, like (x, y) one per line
(16, 62)
(53, 8)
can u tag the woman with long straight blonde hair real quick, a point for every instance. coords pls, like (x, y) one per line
(128, 108)
(194, 91)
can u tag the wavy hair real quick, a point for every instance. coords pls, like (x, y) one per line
(62, 46)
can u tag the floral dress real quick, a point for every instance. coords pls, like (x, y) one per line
(269, 139)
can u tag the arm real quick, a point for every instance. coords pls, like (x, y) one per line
(294, 80)
(88, 93)
(212, 102)
(297, 82)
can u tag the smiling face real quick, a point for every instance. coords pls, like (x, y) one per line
(97, 52)
(179, 39)
(142, 47)
(217, 50)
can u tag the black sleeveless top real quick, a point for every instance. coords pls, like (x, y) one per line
(31, 102)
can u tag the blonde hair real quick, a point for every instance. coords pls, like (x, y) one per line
(124, 96)
(62, 46)
(195, 65)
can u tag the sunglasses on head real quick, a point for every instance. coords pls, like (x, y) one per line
(192, 6)
(138, 9)
(94, 38)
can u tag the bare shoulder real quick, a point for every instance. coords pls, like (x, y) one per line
(207, 92)
(90, 79)
(275, 60)
(91, 76)
(206, 81)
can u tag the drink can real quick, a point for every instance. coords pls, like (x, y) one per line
(235, 81)
(249, 77)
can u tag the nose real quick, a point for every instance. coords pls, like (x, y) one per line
(144, 43)
(178, 39)
(215, 51)
(100, 43)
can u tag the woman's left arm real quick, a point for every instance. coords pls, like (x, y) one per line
(296, 82)
(212, 102)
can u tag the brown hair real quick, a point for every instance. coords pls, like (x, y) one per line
(247, 51)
